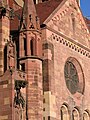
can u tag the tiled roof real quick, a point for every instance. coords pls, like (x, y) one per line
(15, 22)
(43, 11)
(46, 8)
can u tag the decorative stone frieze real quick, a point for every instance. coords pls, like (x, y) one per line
(71, 44)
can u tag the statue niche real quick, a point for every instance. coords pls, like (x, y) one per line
(19, 100)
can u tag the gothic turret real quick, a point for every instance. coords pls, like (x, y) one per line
(30, 53)
(30, 44)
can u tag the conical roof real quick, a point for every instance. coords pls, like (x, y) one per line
(29, 14)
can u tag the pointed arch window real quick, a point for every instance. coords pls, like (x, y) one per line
(5, 58)
(73, 22)
(32, 46)
(25, 46)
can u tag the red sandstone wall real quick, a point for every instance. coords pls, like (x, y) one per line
(56, 50)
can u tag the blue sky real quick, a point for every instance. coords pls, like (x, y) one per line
(85, 7)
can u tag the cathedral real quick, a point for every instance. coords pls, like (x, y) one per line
(44, 60)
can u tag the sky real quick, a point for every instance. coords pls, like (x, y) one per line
(85, 7)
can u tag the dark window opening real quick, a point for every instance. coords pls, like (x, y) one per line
(61, 115)
(73, 21)
(44, 0)
(17, 51)
(5, 58)
(34, 1)
(25, 46)
(43, 118)
(31, 46)
(72, 117)
(48, 117)
(23, 66)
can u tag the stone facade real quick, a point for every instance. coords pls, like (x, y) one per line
(44, 61)
(64, 40)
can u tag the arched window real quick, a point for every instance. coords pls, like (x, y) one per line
(86, 116)
(34, 1)
(5, 58)
(33, 46)
(75, 114)
(73, 22)
(64, 113)
(25, 46)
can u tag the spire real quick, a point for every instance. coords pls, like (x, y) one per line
(29, 18)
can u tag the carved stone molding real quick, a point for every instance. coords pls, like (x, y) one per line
(76, 46)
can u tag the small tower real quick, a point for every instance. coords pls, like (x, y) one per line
(30, 53)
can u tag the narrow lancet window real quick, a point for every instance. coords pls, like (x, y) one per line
(32, 47)
(25, 47)
(73, 22)
(5, 58)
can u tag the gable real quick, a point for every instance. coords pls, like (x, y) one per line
(68, 20)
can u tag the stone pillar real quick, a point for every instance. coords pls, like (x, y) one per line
(34, 89)
(49, 81)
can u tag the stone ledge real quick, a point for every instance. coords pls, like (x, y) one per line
(30, 57)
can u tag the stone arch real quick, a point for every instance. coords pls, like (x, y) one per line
(80, 73)
(64, 112)
(75, 114)
(86, 115)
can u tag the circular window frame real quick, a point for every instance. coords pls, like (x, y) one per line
(80, 73)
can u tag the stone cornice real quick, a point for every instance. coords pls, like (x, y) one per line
(31, 30)
(71, 43)
(30, 57)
